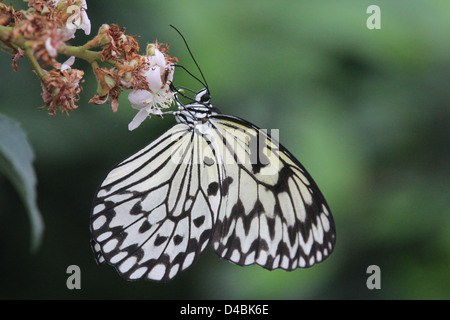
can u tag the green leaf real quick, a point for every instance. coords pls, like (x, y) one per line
(16, 157)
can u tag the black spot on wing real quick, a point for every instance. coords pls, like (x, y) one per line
(213, 188)
(145, 226)
(199, 221)
(177, 239)
(226, 185)
(160, 240)
(136, 209)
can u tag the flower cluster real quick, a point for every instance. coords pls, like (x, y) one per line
(41, 34)
(149, 77)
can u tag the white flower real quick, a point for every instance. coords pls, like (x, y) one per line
(147, 103)
(158, 77)
(52, 51)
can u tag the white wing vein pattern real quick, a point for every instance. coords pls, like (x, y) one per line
(273, 214)
(154, 213)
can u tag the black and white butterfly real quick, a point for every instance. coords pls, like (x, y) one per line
(211, 180)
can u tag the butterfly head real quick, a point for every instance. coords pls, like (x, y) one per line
(203, 96)
(199, 110)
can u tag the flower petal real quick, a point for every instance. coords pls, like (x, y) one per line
(158, 59)
(170, 74)
(153, 77)
(50, 48)
(139, 98)
(68, 32)
(85, 23)
(68, 63)
(138, 119)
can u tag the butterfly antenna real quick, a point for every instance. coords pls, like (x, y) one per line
(205, 84)
(184, 88)
(173, 88)
(190, 73)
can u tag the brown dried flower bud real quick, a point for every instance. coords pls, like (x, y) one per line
(61, 90)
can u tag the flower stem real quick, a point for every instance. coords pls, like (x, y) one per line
(80, 52)
(4, 33)
(88, 55)
(34, 63)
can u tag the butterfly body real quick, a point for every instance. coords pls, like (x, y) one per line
(212, 179)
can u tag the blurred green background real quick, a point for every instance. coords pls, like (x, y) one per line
(365, 111)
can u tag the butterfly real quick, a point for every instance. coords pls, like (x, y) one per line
(210, 180)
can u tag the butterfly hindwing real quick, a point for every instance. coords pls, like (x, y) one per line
(273, 213)
(154, 213)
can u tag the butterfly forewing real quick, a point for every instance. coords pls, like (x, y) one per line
(153, 214)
